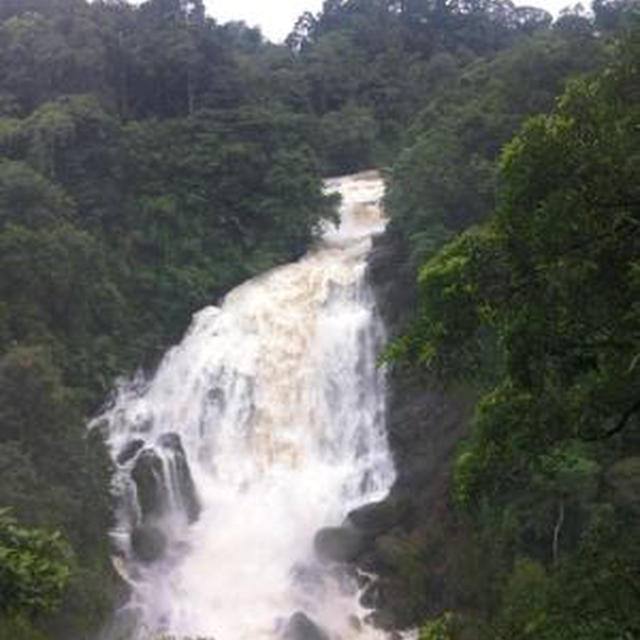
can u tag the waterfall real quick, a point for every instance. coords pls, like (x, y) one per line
(263, 426)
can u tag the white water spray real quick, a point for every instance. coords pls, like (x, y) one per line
(264, 425)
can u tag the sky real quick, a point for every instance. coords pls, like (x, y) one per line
(276, 18)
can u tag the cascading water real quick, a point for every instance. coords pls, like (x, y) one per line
(263, 426)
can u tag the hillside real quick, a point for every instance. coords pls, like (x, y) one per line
(152, 159)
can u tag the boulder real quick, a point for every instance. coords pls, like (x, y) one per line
(340, 544)
(382, 620)
(373, 596)
(148, 474)
(129, 451)
(171, 441)
(301, 627)
(378, 517)
(148, 543)
(185, 487)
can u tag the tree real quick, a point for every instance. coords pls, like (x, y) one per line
(537, 308)
(28, 198)
(34, 568)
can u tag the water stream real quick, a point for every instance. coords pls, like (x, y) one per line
(264, 425)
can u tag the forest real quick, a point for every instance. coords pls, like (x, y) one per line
(151, 159)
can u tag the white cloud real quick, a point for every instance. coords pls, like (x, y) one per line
(276, 19)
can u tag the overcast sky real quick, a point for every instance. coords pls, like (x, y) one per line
(276, 18)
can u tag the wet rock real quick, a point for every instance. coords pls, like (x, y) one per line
(143, 425)
(416, 539)
(148, 543)
(340, 544)
(345, 578)
(171, 440)
(185, 486)
(363, 580)
(148, 474)
(378, 517)
(372, 597)
(382, 620)
(129, 451)
(301, 627)
(392, 274)
(216, 396)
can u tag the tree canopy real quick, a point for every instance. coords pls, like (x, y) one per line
(538, 309)
(151, 159)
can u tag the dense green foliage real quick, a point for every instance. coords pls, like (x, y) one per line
(150, 159)
(33, 568)
(139, 181)
(445, 179)
(539, 308)
(377, 62)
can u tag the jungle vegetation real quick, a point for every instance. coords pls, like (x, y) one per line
(151, 159)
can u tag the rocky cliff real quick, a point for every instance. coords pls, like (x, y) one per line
(412, 540)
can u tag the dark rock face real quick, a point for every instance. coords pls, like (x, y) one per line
(389, 552)
(301, 627)
(377, 517)
(413, 538)
(172, 442)
(339, 544)
(129, 451)
(152, 472)
(393, 280)
(156, 471)
(148, 474)
(148, 543)
(372, 597)
(185, 486)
